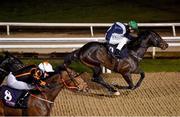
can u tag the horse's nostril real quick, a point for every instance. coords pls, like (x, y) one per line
(167, 45)
(163, 46)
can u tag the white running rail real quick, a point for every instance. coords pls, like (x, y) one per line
(90, 25)
(63, 42)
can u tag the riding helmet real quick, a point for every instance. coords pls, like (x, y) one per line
(133, 25)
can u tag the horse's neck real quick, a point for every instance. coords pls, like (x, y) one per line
(52, 93)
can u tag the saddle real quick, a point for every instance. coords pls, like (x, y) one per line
(13, 97)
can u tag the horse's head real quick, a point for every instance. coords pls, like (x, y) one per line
(73, 80)
(151, 38)
(69, 79)
(10, 63)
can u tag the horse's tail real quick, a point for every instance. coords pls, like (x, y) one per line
(71, 57)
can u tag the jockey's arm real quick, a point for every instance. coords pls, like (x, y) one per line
(130, 37)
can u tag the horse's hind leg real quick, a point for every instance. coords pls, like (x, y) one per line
(98, 79)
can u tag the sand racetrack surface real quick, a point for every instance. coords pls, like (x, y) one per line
(159, 95)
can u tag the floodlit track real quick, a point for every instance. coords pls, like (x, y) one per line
(158, 95)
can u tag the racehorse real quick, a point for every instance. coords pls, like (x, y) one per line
(95, 55)
(40, 104)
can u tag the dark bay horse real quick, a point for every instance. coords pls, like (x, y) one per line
(95, 55)
(9, 63)
(41, 104)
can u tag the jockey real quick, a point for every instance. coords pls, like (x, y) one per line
(46, 68)
(119, 34)
(26, 81)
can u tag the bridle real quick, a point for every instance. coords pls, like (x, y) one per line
(76, 84)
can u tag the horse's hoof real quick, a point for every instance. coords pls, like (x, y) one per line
(116, 93)
(86, 90)
(133, 88)
(114, 83)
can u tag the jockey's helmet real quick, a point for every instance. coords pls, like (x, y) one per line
(46, 67)
(133, 25)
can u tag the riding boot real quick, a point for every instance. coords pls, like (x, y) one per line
(111, 51)
(22, 103)
(121, 53)
(117, 53)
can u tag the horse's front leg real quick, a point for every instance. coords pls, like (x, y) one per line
(128, 79)
(142, 75)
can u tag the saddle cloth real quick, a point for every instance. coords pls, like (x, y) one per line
(14, 98)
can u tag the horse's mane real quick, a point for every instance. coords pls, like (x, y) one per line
(135, 43)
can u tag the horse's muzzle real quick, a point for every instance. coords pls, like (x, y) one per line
(163, 46)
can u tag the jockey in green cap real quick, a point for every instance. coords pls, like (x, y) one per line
(119, 34)
(133, 25)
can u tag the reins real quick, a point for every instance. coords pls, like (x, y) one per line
(72, 79)
(36, 75)
(45, 100)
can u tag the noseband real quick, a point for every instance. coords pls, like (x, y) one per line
(71, 76)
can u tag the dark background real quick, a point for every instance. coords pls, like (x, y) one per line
(89, 10)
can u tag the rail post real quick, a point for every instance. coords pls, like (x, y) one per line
(8, 30)
(153, 52)
(92, 33)
(174, 30)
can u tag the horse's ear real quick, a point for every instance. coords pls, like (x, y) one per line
(6, 53)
